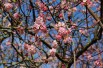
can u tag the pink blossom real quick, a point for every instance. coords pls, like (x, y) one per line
(67, 40)
(49, 18)
(62, 31)
(32, 49)
(97, 63)
(45, 8)
(56, 26)
(0, 15)
(60, 15)
(58, 37)
(63, 2)
(89, 57)
(70, 39)
(8, 6)
(63, 66)
(90, 4)
(66, 7)
(43, 28)
(35, 30)
(61, 24)
(82, 3)
(51, 9)
(74, 9)
(16, 15)
(41, 15)
(38, 43)
(55, 44)
(83, 31)
(52, 52)
(36, 26)
(39, 20)
(39, 24)
(20, 30)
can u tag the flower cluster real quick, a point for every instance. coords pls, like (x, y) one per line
(30, 48)
(63, 32)
(42, 6)
(39, 25)
(98, 63)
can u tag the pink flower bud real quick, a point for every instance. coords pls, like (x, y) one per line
(89, 57)
(0, 16)
(67, 40)
(49, 18)
(8, 6)
(43, 28)
(45, 8)
(60, 15)
(58, 37)
(16, 15)
(26, 46)
(62, 31)
(97, 63)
